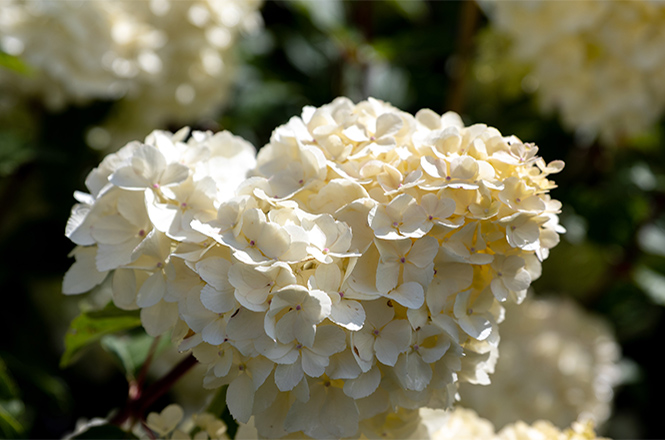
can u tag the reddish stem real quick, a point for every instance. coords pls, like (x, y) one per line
(140, 380)
(142, 399)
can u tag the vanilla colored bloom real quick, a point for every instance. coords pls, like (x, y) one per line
(556, 362)
(367, 257)
(597, 64)
(465, 424)
(165, 61)
(358, 270)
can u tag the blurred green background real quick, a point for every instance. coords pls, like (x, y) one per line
(413, 54)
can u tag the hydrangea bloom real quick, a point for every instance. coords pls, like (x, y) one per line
(43, 35)
(599, 64)
(556, 362)
(171, 60)
(464, 424)
(137, 217)
(190, 71)
(359, 271)
(362, 266)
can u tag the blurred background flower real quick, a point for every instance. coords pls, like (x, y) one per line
(599, 65)
(166, 62)
(556, 363)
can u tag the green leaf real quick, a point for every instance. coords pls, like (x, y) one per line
(9, 426)
(8, 388)
(14, 152)
(90, 327)
(98, 429)
(411, 9)
(131, 350)
(14, 63)
(13, 407)
(51, 389)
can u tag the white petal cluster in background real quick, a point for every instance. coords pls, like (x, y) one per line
(556, 362)
(359, 271)
(64, 43)
(137, 217)
(169, 61)
(455, 424)
(598, 64)
(190, 71)
(465, 424)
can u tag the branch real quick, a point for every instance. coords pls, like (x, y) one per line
(469, 15)
(136, 406)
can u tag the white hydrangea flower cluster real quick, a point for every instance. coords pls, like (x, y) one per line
(361, 267)
(556, 363)
(191, 69)
(64, 44)
(169, 424)
(138, 213)
(599, 64)
(465, 424)
(358, 272)
(171, 61)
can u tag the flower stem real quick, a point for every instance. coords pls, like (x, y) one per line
(469, 17)
(141, 400)
(140, 380)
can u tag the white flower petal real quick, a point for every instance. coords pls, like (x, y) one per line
(260, 368)
(152, 290)
(339, 414)
(413, 372)
(124, 288)
(349, 314)
(173, 174)
(364, 385)
(240, 398)
(216, 301)
(409, 295)
(314, 364)
(159, 318)
(113, 229)
(215, 332)
(83, 275)
(244, 325)
(288, 376)
(476, 326)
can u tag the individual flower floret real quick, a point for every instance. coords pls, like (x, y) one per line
(556, 362)
(136, 223)
(369, 253)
